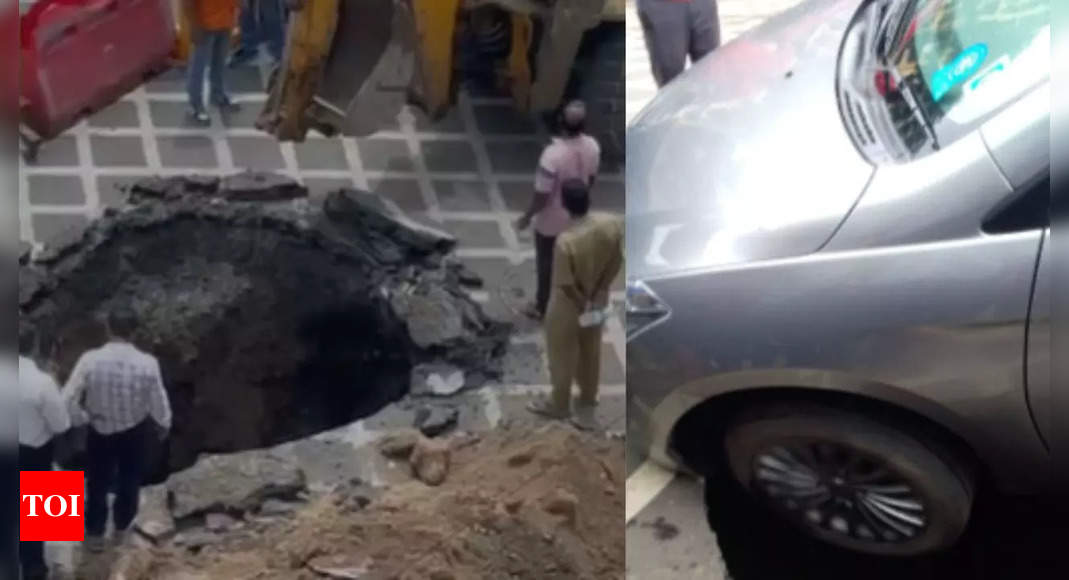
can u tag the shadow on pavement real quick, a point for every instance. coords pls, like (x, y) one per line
(1010, 537)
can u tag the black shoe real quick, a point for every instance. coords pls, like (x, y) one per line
(225, 105)
(242, 58)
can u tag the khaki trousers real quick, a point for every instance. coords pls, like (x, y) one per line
(574, 353)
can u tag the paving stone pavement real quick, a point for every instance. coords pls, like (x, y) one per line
(736, 17)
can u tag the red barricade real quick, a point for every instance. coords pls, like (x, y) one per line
(78, 56)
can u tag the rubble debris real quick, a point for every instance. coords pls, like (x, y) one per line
(456, 530)
(436, 379)
(275, 507)
(219, 522)
(436, 421)
(154, 519)
(247, 289)
(430, 461)
(235, 482)
(399, 444)
(340, 567)
(196, 539)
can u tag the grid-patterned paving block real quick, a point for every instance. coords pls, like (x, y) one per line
(495, 272)
(170, 114)
(187, 151)
(517, 194)
(321, 154)
(112, 188)
(56, 227)
(462, 195)
(385, 154)
(256, 153)
(449, 155)
(504, 120)
(244, 80)
(403, 192)
(111, 151)
(59, 152)
(243, 117)
(119, 115)
(56, 190)
(475, 234)
(525, 364)
(319, 187)
(514, 156)
(450, 122)
(612, 368)
(171, 81)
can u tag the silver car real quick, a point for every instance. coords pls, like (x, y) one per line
(838, 268)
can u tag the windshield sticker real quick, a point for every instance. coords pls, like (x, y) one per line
(996, 67)
(958, 71)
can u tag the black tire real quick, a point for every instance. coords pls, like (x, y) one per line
(942, 482)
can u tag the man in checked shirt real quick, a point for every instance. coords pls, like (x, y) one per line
(119, 391)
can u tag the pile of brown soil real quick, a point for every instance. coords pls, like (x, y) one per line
(516, 505)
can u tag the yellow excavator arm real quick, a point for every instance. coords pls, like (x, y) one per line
(350, 65)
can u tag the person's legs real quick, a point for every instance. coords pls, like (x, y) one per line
(561, 329)
(32, 554)
(273, 27)
(220, 43)
(664, 26)
(131, 446)
(99, 475)
(704, 28)
(544, 264)
(198, 62)
(251, 35)
(588, 376)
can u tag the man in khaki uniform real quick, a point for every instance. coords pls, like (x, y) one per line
(587, 257)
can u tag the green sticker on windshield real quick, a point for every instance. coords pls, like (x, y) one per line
(958, 71)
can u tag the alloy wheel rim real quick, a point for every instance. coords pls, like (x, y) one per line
(840, 491)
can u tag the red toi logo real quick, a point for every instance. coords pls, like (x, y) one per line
(52, 506)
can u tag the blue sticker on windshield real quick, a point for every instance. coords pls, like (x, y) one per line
(958, 71)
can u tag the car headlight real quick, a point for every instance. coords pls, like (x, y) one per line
(644, 308)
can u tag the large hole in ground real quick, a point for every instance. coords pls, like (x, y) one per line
(271, 322)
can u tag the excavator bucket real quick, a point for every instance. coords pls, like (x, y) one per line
(349, 67)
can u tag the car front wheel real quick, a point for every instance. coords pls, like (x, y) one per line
(849, 480)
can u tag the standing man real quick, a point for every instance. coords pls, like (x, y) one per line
(212, 22)
(675, 29)
(42, 417)
(574, 155)
(588, 257)
(262, 22)
(119, 391)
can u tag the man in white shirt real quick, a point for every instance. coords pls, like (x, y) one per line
(118, 390)
(573, 155)
(42, 417)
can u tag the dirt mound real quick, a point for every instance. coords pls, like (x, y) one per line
(517, 504)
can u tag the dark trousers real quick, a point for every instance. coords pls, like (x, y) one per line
(116, 461)
(32, 554)
(675, 30)
(544, 264)
(264, 22)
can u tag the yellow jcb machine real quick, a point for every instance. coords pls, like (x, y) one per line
(350, 65)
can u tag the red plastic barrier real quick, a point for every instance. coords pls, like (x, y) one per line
(9, 62)
(79, 56)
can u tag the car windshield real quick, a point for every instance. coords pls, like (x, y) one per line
(944, 66)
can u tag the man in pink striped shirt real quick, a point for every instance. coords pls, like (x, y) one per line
(572, 155)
